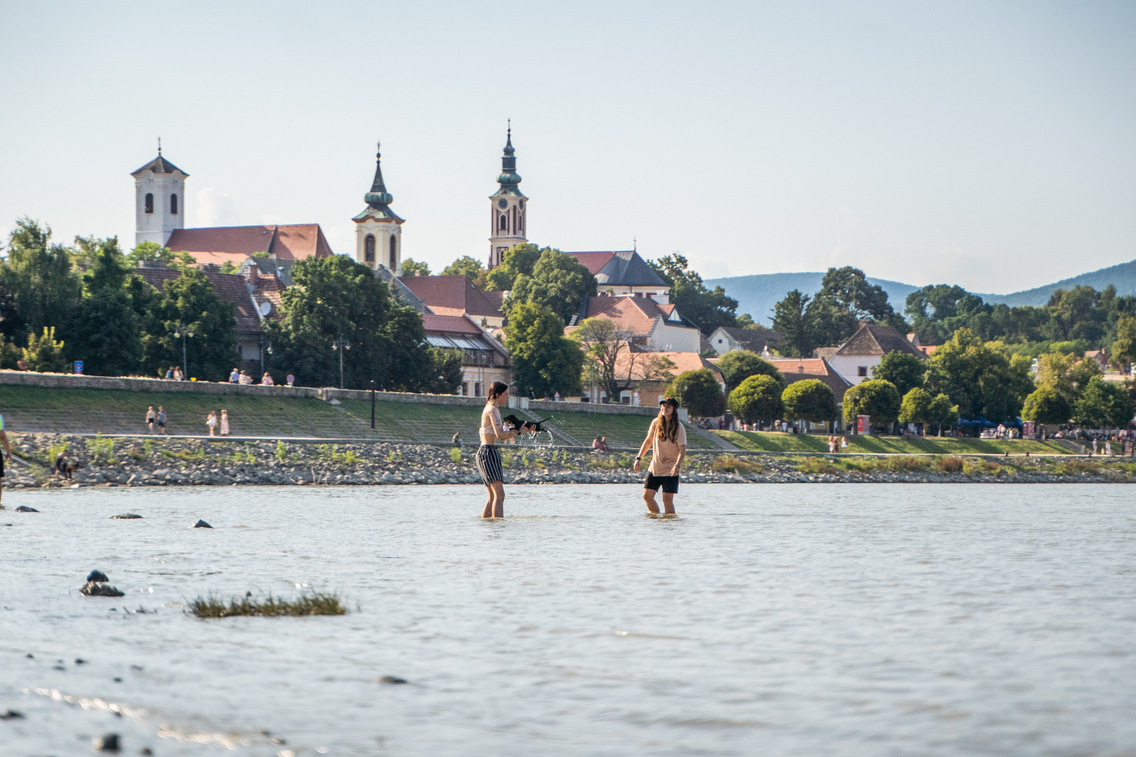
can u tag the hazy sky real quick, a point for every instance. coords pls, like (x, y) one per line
(988, 144)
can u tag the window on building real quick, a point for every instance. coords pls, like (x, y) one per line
(369, 249)
(476, 388)
(504, 225)
(149, 202)
(465, 388)
(862, 370)
(393, 254)
(173, 205)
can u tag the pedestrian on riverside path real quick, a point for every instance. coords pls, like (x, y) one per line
(666, 438)
(161, 420)
(211, 422)
(488, 458)
(224, 422)
(151, 416)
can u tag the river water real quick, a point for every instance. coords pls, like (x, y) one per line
(771, 619)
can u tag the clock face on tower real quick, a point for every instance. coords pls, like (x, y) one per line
(502, 203)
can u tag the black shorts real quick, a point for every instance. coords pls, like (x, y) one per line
(489, 464)
(669, 484)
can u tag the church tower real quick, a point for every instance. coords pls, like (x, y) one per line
(507, 208)
(159, 200)
(378, 231)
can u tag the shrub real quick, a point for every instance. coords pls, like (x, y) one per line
(949, 465)
(455, 455)
(734, 464)
(314, 603)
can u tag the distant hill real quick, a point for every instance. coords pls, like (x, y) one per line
(758, 294)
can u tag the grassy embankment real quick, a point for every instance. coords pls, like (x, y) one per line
(777, 442)
(108, 411)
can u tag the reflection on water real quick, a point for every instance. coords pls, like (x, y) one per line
(794, 620)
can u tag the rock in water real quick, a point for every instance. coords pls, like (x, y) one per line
(201, 524)
(393, 680)
(126, 516)
(95, 589)
(26, 509)
(97, 576)
(108, 743)
(11, 715)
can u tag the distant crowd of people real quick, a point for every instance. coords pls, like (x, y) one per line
(175, 373)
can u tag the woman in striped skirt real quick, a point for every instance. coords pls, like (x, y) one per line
(488, 457)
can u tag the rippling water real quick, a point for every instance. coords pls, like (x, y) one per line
(788, 620)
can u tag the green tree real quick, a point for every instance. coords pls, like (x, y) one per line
(738, 365)
(1047, 406)
(942, 412)
(790, 320)
(699, 392)
(1103, 404)
(557, 282)
(544, 360)
(707, 309)
(470, 267)
(1124, 346)
(916, 406)
(189, 304)
(411, 267)
(106, 327)
(40, 279)
(938, 311)
(519, 260)
(145, 252)
(809, 400)
(757, 398)
(336, 298)
(876, 398)
(979, 379)
(10, 354)
(43, 354)
(446, 371)
(610, 362)
(903, 369)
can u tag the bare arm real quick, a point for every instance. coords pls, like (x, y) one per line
(646, 445)
(7, 447)
(678, 463)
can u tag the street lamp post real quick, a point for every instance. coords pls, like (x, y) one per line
(372, 404)
(183, 330)
(342, 345)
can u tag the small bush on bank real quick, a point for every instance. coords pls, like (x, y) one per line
(315, 603)
(816, 466)
(731, 464)
(455, 455)
(949, 464)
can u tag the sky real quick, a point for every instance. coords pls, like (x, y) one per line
(983, 144)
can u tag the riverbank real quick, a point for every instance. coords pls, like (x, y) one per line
(163, 461)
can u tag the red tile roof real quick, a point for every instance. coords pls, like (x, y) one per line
(452, 293)
(593, 261)
(874, 339)
(798, 369)
(450, 324)
(230, 288)
(288, 242)
(634, 314)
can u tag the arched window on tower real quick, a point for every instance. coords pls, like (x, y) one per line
(173, 205)
(149, 202)
(504, 225)
(393, 255)
(521, 224)
(369, 249)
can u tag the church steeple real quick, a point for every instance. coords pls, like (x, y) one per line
(378, 230)
(507, 215)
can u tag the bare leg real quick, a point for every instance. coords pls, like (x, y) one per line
(649, 498)
(495, 507)
(668, 503)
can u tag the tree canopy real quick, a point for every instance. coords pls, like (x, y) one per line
(757, 398)
(809, 400)
(903, 369)
(557, 282)
(467, 266)
(544, 360)
(981, 380)
(699, 392)
(707, 309)
(610, 362)
(515, 262)
(738, 365)
(876, 398)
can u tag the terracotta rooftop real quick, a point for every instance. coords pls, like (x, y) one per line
(799, 369)
(290, 242)
(450, 324)
(684, 361)
(230, 288)
(634, 314)
(452, 293)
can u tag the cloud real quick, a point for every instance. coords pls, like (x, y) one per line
(215, 209)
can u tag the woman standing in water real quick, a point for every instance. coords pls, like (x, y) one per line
(667, 440)
(488, 457)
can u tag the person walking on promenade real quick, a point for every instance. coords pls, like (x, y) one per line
(224, 422)
(488, 457)
(7, 456)
(234, 377)
(151, 416)
(162, 420)
(211, 422)
(667, 440)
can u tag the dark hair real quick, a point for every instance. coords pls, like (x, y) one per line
(667, 428)
(496, 389)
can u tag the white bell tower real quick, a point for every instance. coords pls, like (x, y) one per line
(508, 208)
(378, 231)
(159, 200)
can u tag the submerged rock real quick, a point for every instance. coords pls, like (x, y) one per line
(108, 743)
(97, 576)
(26, 509)
(126, 516)
(201, 524)
(394, 680)
(11, 715)
(96, 589)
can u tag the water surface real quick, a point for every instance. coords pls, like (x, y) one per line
(776, 619)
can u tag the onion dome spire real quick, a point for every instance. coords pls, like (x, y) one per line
(378, 198)
(509, 178)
